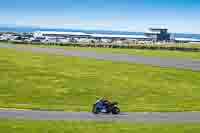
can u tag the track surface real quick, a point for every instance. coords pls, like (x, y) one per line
(150, 60)
(59, 115)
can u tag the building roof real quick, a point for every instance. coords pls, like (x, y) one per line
(155, 30)
(62, 33)
(120, 36)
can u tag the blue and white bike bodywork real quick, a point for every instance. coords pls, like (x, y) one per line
(99, 107)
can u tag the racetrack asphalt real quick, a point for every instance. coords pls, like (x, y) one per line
(133, 117)
(139, 59)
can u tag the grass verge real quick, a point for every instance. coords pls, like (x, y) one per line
(57, 82)
(25, 126)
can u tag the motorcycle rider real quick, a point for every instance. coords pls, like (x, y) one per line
(103, 103)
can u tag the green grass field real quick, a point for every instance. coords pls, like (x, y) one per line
(43, 81)
(23, 126)
(162, 53)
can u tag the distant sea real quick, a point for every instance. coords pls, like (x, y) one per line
(33, 29)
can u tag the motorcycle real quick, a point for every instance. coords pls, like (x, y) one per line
(110, 108)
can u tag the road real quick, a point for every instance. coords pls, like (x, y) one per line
(150, 60)
(133, 117)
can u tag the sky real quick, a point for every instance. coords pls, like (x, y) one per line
(126, 15)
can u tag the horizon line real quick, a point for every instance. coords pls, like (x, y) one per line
(88, 28)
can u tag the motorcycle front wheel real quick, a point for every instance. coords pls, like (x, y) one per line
(115, 110)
